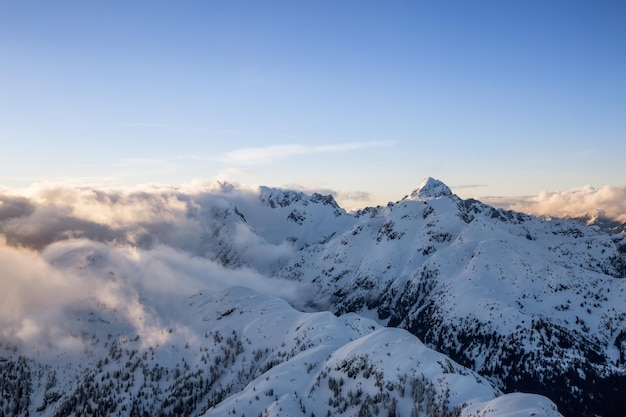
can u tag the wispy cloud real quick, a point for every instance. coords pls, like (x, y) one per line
(355, 196)
(467, 186)
(269, 154)
(148, 163)
(164, 125)
(229, 174)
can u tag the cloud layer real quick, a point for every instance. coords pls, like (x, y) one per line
(576, 202)
(64, 249)
(68, 249)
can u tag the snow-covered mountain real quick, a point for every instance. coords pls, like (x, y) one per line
(533, 305)
(239, 353)
(154, 319)
(603, 222)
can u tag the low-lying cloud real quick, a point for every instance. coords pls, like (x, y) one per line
(608, 200)
(68, 249)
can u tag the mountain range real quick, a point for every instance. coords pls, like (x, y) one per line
(271, 302)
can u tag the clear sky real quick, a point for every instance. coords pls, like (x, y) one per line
(365, 98)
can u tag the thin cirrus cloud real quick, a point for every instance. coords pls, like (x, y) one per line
(467, 186)
(164, 125)
(269, 154)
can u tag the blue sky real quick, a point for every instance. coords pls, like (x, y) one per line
(494, 98)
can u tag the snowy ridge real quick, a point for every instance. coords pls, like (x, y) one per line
(527, 302)
(530, 305)
(240, 353)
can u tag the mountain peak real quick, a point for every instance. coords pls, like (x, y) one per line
(431, 188)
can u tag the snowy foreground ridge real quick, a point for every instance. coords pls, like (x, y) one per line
(248, 354)
(226, 301)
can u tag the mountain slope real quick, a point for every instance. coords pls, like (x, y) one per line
(95, 310)
(237, 352)
(534, 305)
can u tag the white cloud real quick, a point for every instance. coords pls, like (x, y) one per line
(40, 292)
(266, 155)
(69, 248)
(30, 286)
(575, 202)
(34, 298)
